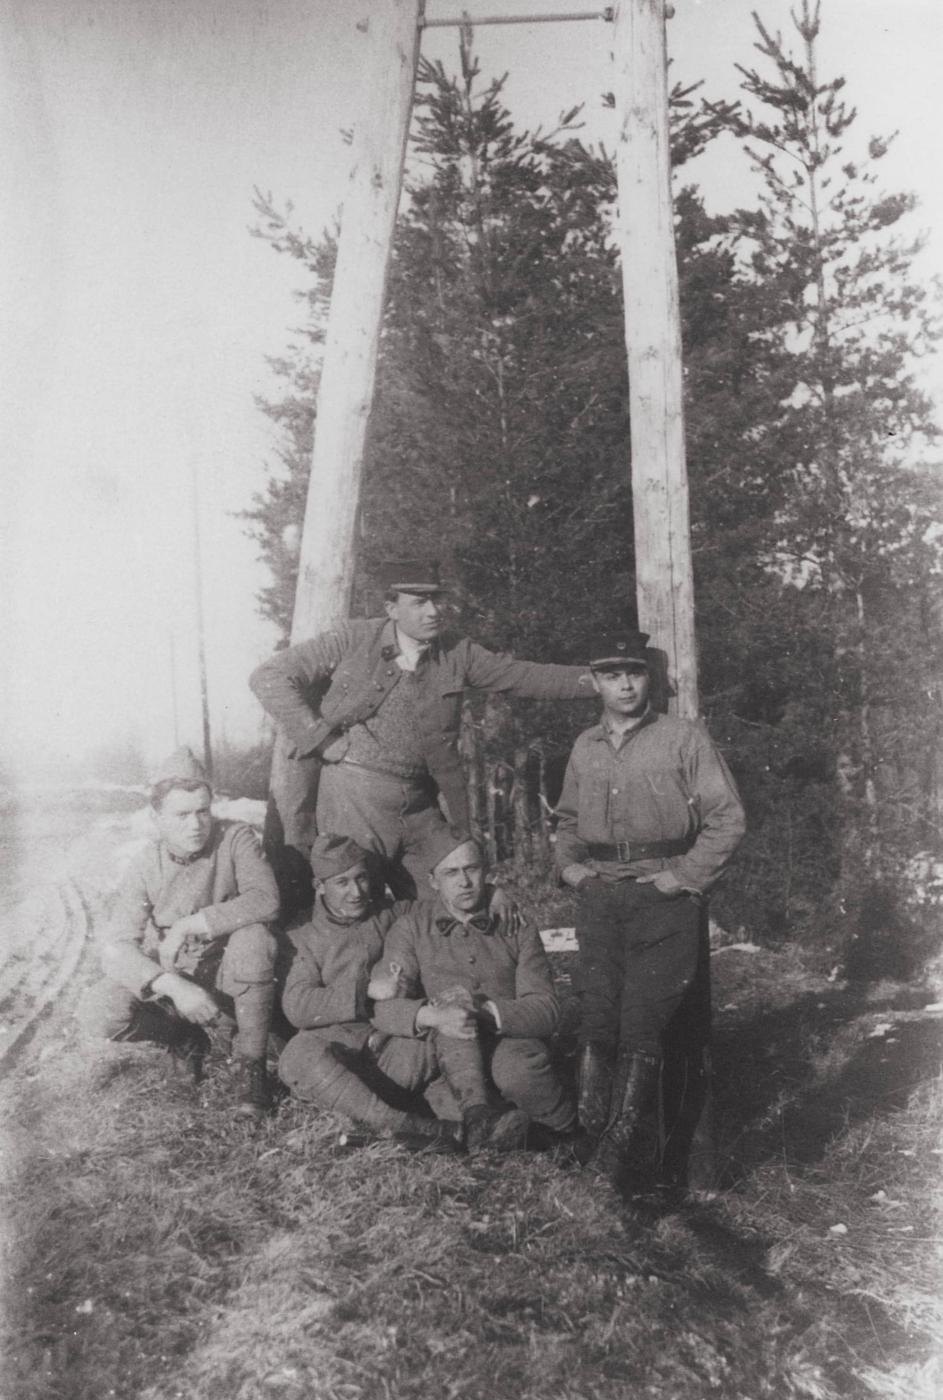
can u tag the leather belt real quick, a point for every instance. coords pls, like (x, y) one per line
(626, 851)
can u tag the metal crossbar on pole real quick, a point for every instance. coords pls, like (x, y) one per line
(605, 14)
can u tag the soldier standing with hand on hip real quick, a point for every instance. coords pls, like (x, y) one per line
(368, 717)
(649, 817)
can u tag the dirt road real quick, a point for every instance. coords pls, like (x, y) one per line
(59, 852)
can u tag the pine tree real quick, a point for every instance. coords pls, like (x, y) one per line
(847, 321)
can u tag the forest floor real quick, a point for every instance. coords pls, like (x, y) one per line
(155, 1249)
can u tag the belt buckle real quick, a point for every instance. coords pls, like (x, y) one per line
(623, 852)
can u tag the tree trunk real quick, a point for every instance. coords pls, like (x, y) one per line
(663, 564)
(471, 757)
(326, 565)
(664, 576)
(520, 804)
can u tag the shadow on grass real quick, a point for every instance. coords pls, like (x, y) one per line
(787, 1081)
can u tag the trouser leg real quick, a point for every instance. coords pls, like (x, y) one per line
(461, 1064)
(108, 1011)
(367, 807)
(384, 814)
(686, 1134)
(247, 975)
(421, 826)
(290, 825)
(326, 1068)
(601, 938)
(660, 934)
(522, 1072)
(659, 963)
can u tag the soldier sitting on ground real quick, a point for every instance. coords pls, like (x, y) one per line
(338, 1060)
(188, 944)
(483, 996)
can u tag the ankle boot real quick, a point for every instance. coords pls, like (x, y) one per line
(594, 1077)
(633, 1086)
(434, 1135)
(186, 1042)
(494, 1129)
(255, 1098)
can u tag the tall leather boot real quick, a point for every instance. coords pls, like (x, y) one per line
(594, 1088)
(633, 1087)
(594, 1077)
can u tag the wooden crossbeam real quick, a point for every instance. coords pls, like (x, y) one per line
(605, 14)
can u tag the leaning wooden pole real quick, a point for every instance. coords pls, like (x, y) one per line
(664, 581)
(348, 373)
(663, 566)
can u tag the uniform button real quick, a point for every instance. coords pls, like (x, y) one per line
(615, 792)
(471, 957)
(389, 671)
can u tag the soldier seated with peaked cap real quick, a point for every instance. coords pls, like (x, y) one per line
(188, 944)
(338, 1060)
(484, 996)
(368, 720)
(648, 818)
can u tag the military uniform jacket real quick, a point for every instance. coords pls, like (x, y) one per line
(327, 982)
(437, 952)
(230, 882)
(317, 690)
(665, 781)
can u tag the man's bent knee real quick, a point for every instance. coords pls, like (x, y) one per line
(106, 1011)
(249, 957)
(306, 1060)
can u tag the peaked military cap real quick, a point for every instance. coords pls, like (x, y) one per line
(332, 855)
(411, 576)
(619, 648)
(182, 765)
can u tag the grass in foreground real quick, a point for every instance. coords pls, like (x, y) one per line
(156, 1251)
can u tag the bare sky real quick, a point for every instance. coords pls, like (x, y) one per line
(137, 310)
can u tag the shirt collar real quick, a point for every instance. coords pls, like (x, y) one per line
(602, 732)
(185, 860)
(396, 643)
(333, 918)
(410, 650)
(196, 855)
(481, 921)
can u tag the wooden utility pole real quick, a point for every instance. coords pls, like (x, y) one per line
(326, 566)
(664, 576)
(200, 625)
(663, 566)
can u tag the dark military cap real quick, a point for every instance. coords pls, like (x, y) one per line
(618, 648)
(411, 576)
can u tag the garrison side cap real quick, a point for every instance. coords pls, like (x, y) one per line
(619, 648)
(442, 843)
(181, 766)
(332, 855)
(410, 576)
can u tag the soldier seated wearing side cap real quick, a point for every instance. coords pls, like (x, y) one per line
(483, 996)
(338, 1060)
(188, 944)
(649, 817)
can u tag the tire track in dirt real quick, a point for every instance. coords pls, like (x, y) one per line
(35, 973)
